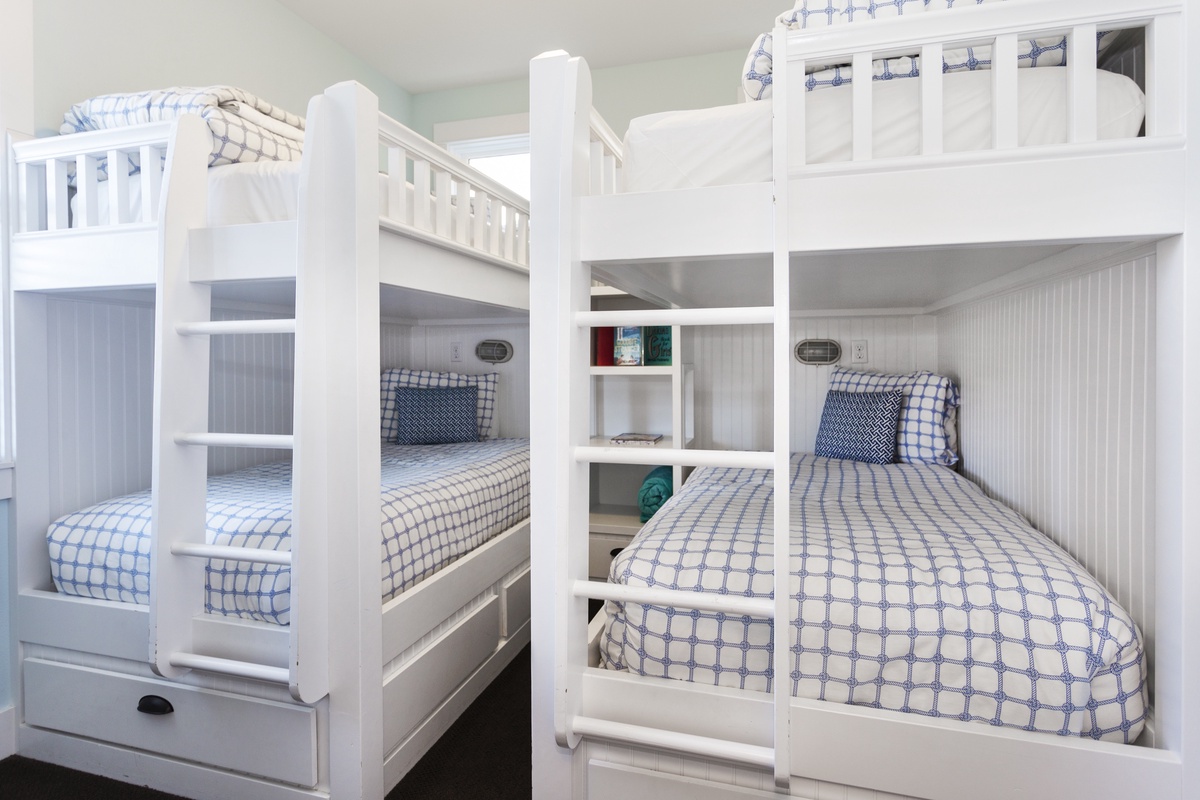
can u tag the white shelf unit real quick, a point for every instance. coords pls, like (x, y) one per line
(642, 399)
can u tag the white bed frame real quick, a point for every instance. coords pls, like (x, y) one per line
(609, 735)
(344, 700)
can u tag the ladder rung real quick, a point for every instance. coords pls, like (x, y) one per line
(224, 327)
(763, 607)
(270, 441)
(228, 666)
(691, 744)
(753, 315)
(634, 454)
(249, 554)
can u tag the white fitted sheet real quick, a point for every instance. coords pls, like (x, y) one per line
(256, 191)
(732, 144)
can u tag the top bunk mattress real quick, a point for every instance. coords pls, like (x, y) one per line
(910, 591)
(439, 503)
(732, 144)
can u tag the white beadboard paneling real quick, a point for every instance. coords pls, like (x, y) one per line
(428, 347)
(100, 387)
(101, 397)
(1057, 417)
(734, 378)
(395, 344)
(251, 387)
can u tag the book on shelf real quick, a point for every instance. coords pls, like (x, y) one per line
(628, 346)
(656, 345)
(644, 439)
(602, 346)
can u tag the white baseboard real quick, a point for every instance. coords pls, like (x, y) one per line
(8, 732)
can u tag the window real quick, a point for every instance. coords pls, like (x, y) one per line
(496, 146)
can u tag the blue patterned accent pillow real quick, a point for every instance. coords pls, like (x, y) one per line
(859, 426)
(436, 416)
(928, 414)
(485, 411)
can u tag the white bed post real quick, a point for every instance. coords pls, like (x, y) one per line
(781, 357)
(337, 422)
(560, 107)
(181, 367)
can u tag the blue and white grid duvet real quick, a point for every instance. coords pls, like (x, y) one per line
(439, 502)
(911, 591)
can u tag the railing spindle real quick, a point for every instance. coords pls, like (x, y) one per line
(57, 212)
(1004, 92)
(118, 188)
(1081, 84)
(931, 99)
(862, 119)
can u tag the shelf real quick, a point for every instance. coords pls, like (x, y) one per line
(664, 443)
(615, 519)
(642, 371)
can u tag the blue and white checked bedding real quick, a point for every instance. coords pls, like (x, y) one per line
(912, 592)
(244, 127)
(439, 503)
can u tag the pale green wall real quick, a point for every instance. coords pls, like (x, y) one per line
(83, 48)
(5, 617)
(618, 93)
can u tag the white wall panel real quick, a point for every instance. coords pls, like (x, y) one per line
(734, 378)
(100, 381)
(101, 397)
(1057, 417)
(428, 347)
(250, 390)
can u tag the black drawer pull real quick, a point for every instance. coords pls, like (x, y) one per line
(153, 704)
(616, 551)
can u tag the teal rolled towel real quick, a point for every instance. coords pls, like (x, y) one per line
(656, 489)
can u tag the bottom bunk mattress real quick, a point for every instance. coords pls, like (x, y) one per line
(910, 591)
(439, 502)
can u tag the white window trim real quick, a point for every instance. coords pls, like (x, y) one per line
(486, 136)
(480, 128)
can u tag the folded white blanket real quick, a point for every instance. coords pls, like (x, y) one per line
(244, 127)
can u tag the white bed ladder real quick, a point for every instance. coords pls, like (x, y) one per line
(560, 285)
(180, 551)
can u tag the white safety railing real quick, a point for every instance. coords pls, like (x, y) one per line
(1000, 27)
(432, 191)
(49, 170)
(604, 156)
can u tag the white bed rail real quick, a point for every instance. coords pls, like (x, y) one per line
(605, 154)
(44, 177)
(998, 25)
(494, 220)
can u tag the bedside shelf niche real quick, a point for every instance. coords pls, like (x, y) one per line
(632, 399)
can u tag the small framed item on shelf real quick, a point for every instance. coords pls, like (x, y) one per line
(627, 350)
(656, 345)
(643, 439)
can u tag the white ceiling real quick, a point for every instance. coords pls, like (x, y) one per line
(445, 44)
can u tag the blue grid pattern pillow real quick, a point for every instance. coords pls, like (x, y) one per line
(926, 412)
(859, 426)
(436, 416)
(425, 379)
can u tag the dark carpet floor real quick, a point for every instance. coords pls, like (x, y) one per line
(485, 755)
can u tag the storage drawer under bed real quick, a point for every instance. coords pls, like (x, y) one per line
(245, 734)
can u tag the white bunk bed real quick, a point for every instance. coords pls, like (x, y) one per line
(346, 697)
(735, 242)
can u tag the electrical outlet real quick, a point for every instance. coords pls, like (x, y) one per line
(455, 352)
(858, 351)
